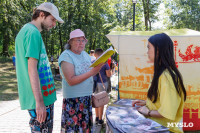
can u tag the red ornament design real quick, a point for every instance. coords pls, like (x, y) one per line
(189, 55)
(44, 87)
(49, 86)
(50, 92)
(45, 93)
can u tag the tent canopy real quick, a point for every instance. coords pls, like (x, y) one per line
(115, 37)
(172, 32)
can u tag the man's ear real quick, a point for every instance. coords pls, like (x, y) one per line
(41, 14)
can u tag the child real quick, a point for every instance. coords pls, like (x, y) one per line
(13, 60)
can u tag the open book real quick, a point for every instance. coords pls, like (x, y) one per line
(104, 57)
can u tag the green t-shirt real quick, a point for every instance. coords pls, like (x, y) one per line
(29, 43)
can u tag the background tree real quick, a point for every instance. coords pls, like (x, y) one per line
(12, 15)
(95, 17)
(183, 14)
(150, 7)
(145, 14)
(124, 16)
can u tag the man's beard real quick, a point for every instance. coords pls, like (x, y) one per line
(44, 27)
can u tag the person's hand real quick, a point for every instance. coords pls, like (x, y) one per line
(136, 103)
(143, 110)
(96, 69)
(41, 112)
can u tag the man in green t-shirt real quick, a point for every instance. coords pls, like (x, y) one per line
(36, 86)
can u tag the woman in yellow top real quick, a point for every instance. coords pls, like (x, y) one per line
(166, 95)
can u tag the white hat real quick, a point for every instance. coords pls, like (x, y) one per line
(52, 9)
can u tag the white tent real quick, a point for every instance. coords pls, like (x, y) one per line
(135, 73)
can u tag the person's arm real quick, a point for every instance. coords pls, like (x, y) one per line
(108, 70)
(71, 78)
(35, 84)
(154, 113)
(151, 113)
(108, 73)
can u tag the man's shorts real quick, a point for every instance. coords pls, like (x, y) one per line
(45, 127)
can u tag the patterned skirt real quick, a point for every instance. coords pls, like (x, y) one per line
(77, 115)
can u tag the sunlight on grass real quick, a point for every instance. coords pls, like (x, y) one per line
(8, 91)
(8, 80)
(58, 84)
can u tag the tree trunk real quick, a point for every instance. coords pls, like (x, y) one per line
(86, 18)
(94, 42)
(79, 13)
(5, 31)
(6, 40)
(46, 41)
(149, 25)
(60, 38)
(146, 13)
(52, 46)
(70, 15)
(90, 44)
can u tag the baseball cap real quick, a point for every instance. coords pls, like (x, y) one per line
(77, 33)
(52, 9)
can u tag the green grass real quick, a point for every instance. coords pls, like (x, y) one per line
(8, 81)
(5, 59)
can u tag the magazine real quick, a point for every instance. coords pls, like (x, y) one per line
(124, 102)
(104, 57)
(128, 119)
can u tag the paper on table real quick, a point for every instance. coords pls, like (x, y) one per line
(128, 118)
(124, 102)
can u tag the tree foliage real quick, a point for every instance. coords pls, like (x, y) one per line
(95, 17)
(183, 14)
(150, 7)
(124, 16)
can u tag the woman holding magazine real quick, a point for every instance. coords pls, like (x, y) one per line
(166, 95)
(77, 85)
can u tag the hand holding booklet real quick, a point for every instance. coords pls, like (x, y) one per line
(104, 57)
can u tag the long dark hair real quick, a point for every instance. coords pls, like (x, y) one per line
(164, 59)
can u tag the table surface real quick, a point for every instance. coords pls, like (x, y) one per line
(115, 130)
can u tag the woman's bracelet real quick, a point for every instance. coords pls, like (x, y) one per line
(149, 113)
